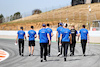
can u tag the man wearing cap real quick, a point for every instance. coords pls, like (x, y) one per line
(58, 38)
(32, 35)
(64, 38)
(50, 34)
(72, 46)
(43, 35)
(84, 37)
(20, 37)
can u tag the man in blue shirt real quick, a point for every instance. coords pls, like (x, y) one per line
(20, 37)
(50, 34)
(64, 38)
(58, 38)
(32, 35)
(84, 36)
(43, 35)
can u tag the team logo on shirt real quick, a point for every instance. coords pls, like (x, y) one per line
(65, 32)
(42, 32)
(60, 29)
(49, 30)
(32, 32)
(21, 33)
(72, 32)
(84, 31)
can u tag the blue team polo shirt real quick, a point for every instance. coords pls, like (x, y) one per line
(83, 33)
(65, 35)
(50, 31)
(59, 30)
(43, 35)
(21, 34)
(32, 34)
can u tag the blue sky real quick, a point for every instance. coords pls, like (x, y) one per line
(9, 7)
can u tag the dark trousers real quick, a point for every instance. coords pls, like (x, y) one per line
(48, 48)
(65, 46)
(83, 44)
(43, 48)
(59, 49)
(72, 47)
(21, 46)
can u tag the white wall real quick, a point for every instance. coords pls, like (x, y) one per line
(94, 35)
(3, 32)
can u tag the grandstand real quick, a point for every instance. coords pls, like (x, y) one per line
(77, 2)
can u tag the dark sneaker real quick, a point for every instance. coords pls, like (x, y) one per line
(22, 55)
(48, 55)
(45, 58)
(64, 59)
(84, 55)
(41, 60)
(29, 54)
(71, 54)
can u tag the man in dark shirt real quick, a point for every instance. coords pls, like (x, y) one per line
(72, 46)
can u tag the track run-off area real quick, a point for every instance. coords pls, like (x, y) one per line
(92, 58)
(3, 55)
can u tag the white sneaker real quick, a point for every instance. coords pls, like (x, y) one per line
(61, 55)
(58, 54)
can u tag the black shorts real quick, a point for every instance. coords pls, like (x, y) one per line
(31, 43)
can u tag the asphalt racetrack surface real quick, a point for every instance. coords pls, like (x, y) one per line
(92, 58)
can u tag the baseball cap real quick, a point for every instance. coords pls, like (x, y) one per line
(60, 24)
(43, 25)
(65, 25)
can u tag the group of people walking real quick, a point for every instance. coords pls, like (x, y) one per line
(64, 36)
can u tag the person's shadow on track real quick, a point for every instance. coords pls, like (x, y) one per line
(53, 60)
(85, 55)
